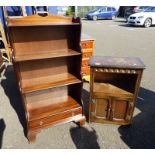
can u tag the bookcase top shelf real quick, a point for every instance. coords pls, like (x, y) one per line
(38, 20)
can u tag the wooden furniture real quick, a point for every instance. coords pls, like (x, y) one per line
(47, 62)
(114, 86)
(4, 50)
(87, 44)
(2, 66)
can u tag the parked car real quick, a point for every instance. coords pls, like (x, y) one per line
(146, 18)
(133, 9)
(102, 13)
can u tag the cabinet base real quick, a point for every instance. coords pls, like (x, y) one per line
(104, 121)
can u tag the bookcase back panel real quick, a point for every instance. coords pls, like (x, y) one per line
(41, 38)
(124, 81)
(75, 91)
(52, 96)
(47, 96)
(33, 69)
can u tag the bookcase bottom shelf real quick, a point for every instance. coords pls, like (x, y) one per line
(51, 107)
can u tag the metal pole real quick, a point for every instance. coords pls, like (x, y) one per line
(76, 11)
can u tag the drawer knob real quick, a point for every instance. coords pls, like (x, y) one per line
(41, 123)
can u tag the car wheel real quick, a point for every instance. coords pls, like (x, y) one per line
(94, 18)
(147, 23)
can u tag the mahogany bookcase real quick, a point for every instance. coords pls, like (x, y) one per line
(47, 62)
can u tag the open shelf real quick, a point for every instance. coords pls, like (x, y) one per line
(51, 106)
(50, 81)
(37, 55)
(107, 89)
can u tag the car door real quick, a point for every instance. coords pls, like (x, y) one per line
(108, 13)
(153, 16)
(102, 13)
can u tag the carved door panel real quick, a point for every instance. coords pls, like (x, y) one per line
(100, 109)
(111, 109)
(121, 110)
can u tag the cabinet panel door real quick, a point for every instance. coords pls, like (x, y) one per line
(100, 109)
(120, 110)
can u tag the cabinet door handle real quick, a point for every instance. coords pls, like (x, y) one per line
(108, 115)
(41, 122)
(112, 111)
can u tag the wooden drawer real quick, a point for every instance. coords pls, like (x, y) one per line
(85, 71)
(85, 62)
(87, 54)
(87, 44)
(55, 119)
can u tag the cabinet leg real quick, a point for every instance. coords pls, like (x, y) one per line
(31, 136)
(81, 122)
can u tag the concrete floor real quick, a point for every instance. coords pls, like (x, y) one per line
(113, 38)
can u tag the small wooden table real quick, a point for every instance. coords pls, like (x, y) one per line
(114, 85)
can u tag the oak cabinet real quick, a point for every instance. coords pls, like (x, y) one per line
(114, 86)
(47, 61)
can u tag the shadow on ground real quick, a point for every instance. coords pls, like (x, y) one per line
(84, 138)
(2, 128)
(141, 134)
(10, 87)
(85, 98)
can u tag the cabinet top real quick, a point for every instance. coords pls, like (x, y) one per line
(116, 62)
(38, 20)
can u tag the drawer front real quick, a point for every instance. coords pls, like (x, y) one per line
(87, 54)
(85, 71)
(85, 63)
(87, 44)
(55, 119)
